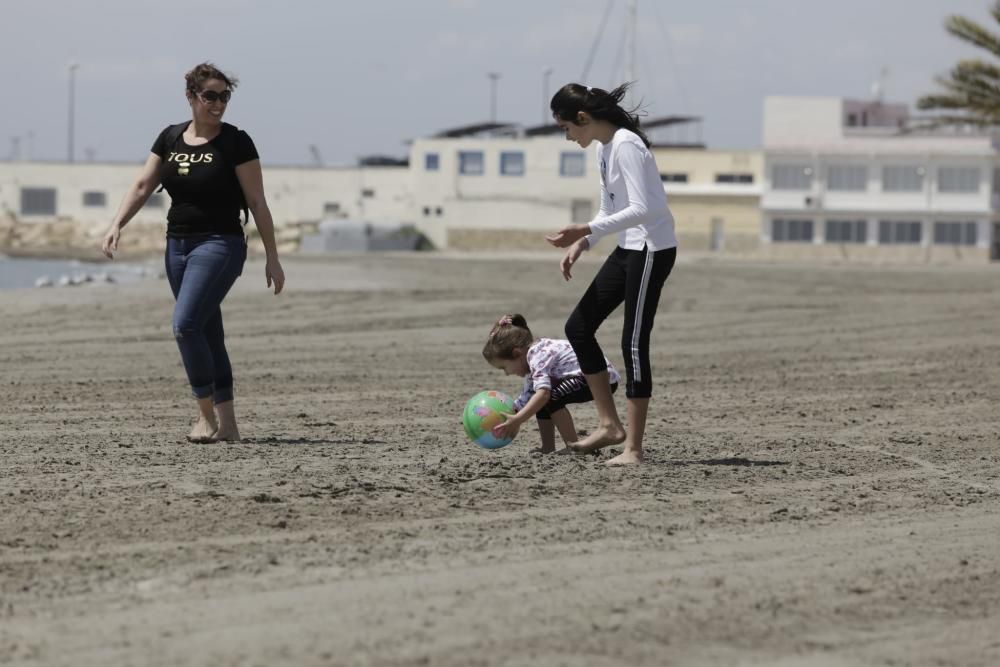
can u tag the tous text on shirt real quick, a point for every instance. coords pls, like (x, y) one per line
(193, 158)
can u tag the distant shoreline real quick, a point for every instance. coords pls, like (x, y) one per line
(71, 253)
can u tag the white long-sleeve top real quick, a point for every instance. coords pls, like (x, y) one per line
(633, 201)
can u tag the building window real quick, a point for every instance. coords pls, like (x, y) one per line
(791, 231)
(955, 233)
(38, 201)
(439, 211)
(581, 210)
(894, 232)
(512, 163)
(734, 178)
(847, 177)
(470, 163)
(902, 178)
(958, 179)
(427, 210)
(432, 162)
(791, 177)
(155, 201)
(571, 164)
(367, 193)
(674, 178)
(95, 199)
(846, 231)
(331, 208)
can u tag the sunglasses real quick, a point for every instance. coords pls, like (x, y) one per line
(209, 96)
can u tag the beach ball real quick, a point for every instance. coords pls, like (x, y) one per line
(483, 412)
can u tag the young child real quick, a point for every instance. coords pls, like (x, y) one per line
(552, 379)
(633, 205)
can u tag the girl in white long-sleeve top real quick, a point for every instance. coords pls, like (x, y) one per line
(633, 204)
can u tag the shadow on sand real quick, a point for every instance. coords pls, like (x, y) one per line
(734, 461)
(271, 440)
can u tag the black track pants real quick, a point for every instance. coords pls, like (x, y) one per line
(636, 278)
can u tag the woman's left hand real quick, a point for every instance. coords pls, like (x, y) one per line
(275, 275)
(573, 254)
(568, 235)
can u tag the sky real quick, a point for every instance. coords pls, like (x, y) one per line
(357, 78)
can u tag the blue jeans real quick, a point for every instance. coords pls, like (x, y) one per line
(201, 270)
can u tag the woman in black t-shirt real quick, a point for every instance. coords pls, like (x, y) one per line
(212, 172)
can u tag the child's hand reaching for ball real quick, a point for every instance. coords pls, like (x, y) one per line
(508, 429)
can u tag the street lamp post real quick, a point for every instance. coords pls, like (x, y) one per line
(546, 114)
(72, 110)
(494, 76)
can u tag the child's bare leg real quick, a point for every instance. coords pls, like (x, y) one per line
(205, 428)
(610, 430)
(638, 408)
(547, 430)
(564, 424)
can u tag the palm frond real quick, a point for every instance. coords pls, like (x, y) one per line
(976, 68)
(995, 11)
(970, 31)
(970, 94)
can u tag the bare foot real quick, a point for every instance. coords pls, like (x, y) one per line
(228, 434)
(228, 430)
(628, 457)
(601, 437)
(542, 450)
(203, 431)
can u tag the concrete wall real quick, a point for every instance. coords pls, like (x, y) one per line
(702, 165)
(802, 121)
(884, 254)
(712, 216)
(739, 217)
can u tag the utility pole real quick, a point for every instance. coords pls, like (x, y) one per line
(631, 30)
(72, 110)
(494, 77)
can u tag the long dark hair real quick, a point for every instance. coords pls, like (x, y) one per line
(573, 98)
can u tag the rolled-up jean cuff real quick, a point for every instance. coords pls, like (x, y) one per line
(222, 395)
(204, 391)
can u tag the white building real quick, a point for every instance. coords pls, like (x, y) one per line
(492, 186)
(505, 186)
(89, 193)
(858, 180)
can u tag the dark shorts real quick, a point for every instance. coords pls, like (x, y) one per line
(568, 390)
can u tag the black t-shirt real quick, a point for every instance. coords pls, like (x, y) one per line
(204, 191)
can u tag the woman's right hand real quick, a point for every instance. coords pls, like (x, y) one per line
(110, 245)
(274, 274)
(572, 254)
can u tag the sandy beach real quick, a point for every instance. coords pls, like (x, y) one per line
(822, 485)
